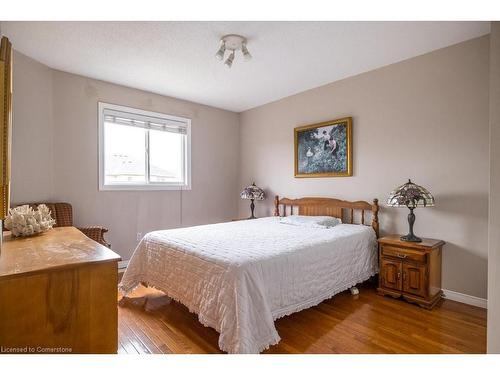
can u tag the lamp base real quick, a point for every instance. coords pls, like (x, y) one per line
(410, 238)
(252, 207)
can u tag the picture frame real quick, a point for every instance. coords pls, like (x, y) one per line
(324, 149)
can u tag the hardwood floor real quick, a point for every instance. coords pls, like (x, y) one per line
(366, 323)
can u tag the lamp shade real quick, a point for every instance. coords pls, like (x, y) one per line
(252, 192)
(410, 195)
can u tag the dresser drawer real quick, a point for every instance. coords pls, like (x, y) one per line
(401, 253)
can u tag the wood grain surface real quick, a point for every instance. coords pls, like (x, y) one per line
(367, 323)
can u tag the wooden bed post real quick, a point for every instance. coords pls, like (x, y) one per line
(375, 225)
(276, 205)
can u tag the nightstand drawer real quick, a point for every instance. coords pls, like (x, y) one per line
(403, 253)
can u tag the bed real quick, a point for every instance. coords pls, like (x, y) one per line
(239, 277)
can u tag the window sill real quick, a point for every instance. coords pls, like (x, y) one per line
(143, 187)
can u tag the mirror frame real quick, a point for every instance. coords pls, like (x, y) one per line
(5, 124)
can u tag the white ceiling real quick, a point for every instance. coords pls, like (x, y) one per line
(177, 58)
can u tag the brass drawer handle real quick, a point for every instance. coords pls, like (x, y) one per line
(399, 275)
(401, 255)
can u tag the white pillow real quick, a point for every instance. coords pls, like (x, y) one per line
(311, 221)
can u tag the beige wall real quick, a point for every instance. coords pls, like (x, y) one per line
(55, 155)
(215, 149)
(32, 132)
(494, 222)
(425, 118)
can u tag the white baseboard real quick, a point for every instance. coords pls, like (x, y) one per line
(465, 298)
(122, 264)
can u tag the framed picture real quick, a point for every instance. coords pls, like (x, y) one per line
(324, 149)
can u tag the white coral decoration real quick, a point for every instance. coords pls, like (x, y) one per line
(25, 221)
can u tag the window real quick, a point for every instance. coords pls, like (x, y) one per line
(141, 150)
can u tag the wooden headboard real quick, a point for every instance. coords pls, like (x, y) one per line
(344, 210)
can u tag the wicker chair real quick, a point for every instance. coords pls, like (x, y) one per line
(63, 214)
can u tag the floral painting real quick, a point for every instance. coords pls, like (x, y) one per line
(324, 150)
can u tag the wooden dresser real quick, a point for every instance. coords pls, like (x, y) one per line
(58, 294)
(411, 270)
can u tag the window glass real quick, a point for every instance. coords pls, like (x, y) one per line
(166, 156)
(125, 157)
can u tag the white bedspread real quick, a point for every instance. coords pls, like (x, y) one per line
(241, 276)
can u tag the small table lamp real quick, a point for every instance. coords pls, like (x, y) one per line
(412, 196)
(252, 192)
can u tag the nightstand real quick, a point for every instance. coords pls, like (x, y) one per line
(411, 270)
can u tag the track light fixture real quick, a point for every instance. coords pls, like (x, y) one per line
(246, 55)
(232, 43)
(220, 53)
(230, 59)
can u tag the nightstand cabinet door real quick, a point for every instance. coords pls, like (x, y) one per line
(414, 279)
(391, 274)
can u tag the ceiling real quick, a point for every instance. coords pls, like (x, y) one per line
(177, 58)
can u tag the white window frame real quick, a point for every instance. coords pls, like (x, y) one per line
(149, 185)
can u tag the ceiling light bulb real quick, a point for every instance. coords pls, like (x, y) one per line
(229, 60)
(220, 53)
(246, 55)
